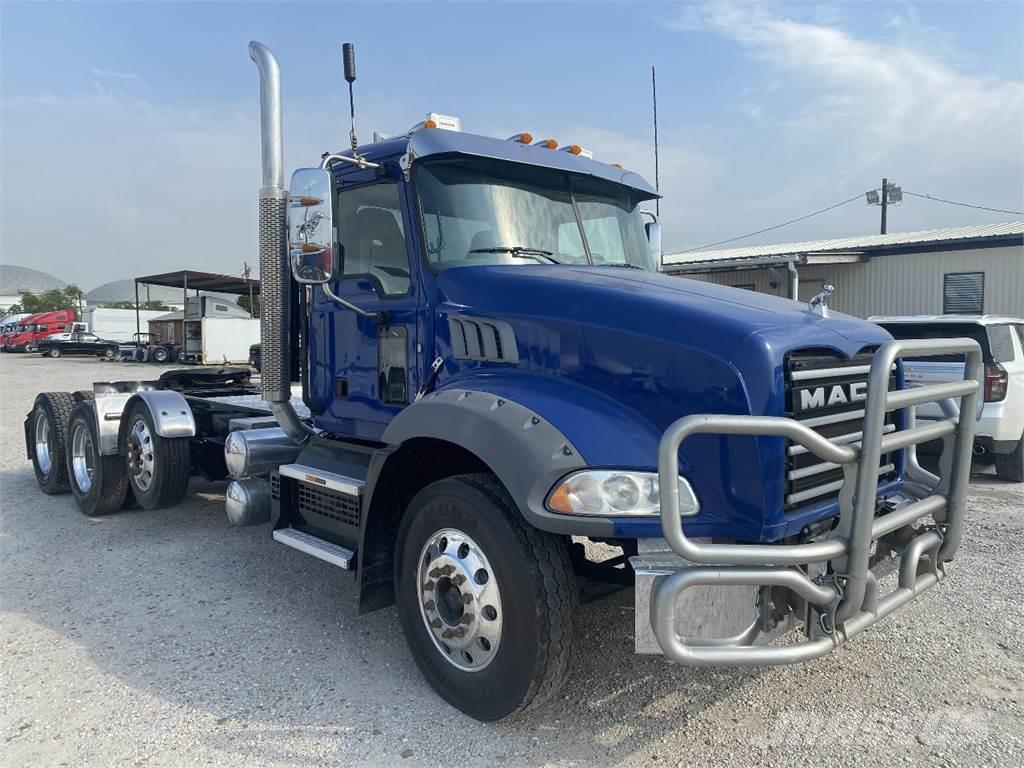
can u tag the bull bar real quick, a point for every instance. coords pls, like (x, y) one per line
(844, 599)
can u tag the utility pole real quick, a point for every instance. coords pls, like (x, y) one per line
(885, 201)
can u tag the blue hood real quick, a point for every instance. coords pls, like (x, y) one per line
(612, 356)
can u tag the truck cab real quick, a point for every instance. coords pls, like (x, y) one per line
(37, 327)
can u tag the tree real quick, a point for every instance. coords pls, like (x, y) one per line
(50, 301)
(254, 310)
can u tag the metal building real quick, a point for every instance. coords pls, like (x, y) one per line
(956, 270)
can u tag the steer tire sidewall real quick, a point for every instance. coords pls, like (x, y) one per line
(54, 352)
(110, 475)
(160, 355)
(171, 464)
(532, 657)
(58, 407)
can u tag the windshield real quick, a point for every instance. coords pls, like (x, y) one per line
(490, 212)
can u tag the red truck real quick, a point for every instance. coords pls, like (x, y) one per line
(37, 327)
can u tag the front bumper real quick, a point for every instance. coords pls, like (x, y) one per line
(708, 603)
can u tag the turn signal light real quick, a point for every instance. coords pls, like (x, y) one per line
(547, 144)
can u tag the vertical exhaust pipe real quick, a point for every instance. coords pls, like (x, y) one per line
(274, 276)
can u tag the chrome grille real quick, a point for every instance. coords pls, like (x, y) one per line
(826, 393)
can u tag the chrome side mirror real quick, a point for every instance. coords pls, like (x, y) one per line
(653, 229)
(311, 250)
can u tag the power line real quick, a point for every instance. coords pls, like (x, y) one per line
(776, 226)
(965, 205)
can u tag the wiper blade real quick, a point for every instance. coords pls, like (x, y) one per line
(518, 250)
(620, 264)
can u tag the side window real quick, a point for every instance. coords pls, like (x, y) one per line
(372, 237)
(1000, 341)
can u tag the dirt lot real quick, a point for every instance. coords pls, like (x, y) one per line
(170, 639)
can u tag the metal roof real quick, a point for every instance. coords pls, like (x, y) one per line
(203, 281)
(938, 319)
(1013, 230)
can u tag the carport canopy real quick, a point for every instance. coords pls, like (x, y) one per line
(192, 280)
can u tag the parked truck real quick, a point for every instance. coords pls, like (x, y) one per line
(473, 375)
(37, 327)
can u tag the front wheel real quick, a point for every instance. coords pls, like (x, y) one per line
(53, 352)
(109, 353)
(159, 355)
(486, 601)
(1011, 466)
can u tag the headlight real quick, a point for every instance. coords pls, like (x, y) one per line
(612, 493)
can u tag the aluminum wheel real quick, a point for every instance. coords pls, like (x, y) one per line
(83, 457)
(140, 455)
(43, 457)
(459, 600)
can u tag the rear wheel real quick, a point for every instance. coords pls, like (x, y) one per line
(486, 602)
(48, 428)
(53, 352)
(1010, 466)
(98, 483)
(158, 467)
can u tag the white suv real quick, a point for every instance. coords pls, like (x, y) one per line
(1000, 431)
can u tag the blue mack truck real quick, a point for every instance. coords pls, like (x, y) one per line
(480, 396)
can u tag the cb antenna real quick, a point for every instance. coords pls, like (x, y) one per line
(348, 55)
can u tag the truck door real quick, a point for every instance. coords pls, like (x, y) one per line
(363, 370)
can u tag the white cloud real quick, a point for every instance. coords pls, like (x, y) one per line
(851, 111)
(115, 75)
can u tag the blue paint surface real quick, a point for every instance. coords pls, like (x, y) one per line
(610, 356)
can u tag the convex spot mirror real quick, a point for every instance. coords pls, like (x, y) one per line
(311, 249)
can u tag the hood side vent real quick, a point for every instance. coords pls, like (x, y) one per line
(484, 339)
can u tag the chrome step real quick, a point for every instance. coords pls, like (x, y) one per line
(348, 485)
(311, 545)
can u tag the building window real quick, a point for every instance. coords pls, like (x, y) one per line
(963, 293)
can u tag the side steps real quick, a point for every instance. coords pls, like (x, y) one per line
(319, 548)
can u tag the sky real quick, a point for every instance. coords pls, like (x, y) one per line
(129, 136)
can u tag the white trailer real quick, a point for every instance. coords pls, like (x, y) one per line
(116, 324)
(220, 340)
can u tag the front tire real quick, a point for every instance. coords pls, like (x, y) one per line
(109, 353)
(1010, 466)
(50, 416)
(53, 352)
(160, 355)
(98, 483)
(158, 467)
(486, 601)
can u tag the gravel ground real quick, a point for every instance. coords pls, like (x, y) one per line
(170, 639)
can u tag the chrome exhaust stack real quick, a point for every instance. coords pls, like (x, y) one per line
(273, 238)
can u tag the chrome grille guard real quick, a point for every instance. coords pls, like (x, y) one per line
(844, 601)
